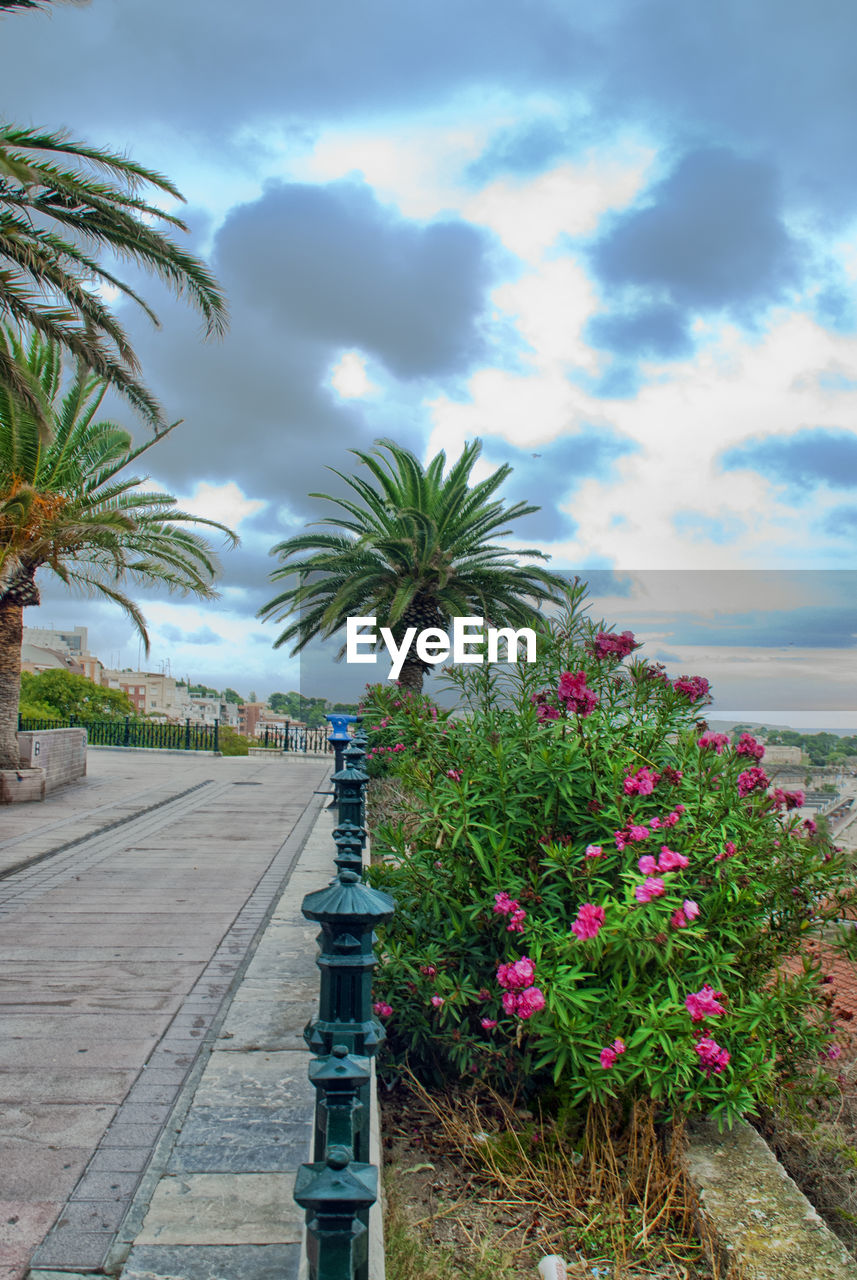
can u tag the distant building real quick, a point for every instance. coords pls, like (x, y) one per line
(152, 693)
(776, 753)
(206, 710)
(45, 649)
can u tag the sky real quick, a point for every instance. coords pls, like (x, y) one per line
(616, 242)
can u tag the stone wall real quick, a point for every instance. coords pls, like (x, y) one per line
(60, 752)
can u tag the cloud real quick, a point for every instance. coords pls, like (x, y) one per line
(203, 635)
(335, 264)
(702, 527)
(549, 475)
(810, 456)
(526, 148)
(709, 237)
(658, 330)
(841, 522)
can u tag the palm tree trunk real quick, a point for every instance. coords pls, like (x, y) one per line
(11, 634)
(411, 674)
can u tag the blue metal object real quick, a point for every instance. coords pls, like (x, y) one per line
(339, 739)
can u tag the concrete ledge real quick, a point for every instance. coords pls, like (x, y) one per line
(60, 752)
(759, 1223)
(20, 785)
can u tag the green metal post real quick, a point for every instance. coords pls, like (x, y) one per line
(334, 1193)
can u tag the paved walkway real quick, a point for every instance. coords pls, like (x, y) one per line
(119, 959)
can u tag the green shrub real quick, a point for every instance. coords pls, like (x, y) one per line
(594, 891)
(231, 742)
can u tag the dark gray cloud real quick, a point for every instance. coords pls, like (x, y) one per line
(709, 237)
(809, 457)
(336, 266)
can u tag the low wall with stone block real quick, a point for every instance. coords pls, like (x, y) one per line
(60, 752)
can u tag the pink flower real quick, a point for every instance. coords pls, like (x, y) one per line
(693, 687)
(690, 908)
(608, 645)
(504, 905)
(754, 779)
(810, 825)
(518, 975)
(574, 693)
(678, 919)
(510, 1001)
(648, 865)
(455, 774)
(641, 783)
(383, 1010)
(834, 1052)
(653, 888)
(704, 1003)
(728, 851)
(428, 970)
(636, 832)
(654, 823)
(748, 746)
(593, 851)
(712, 1058)
(670, 860)
(713, 742)
(437, 1001)
(788, 799)
(529, 1002)
(589, 921)
(484, 994)
(608, 1055)
(488, 1024)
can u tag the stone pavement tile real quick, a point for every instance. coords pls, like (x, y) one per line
(35, 1172)
(88, 1248)
(256, 1080)
(87, 1027)
(241, 1140)
(41, 1054)
(80, 1084)
(124, 1134)
(92, 1215)
(120, 1160)
(253, 1025)
(25, 1126)
(55, 1275)
(201, 1262)
(21, 1222)
(223, 1208)
(106, 1186)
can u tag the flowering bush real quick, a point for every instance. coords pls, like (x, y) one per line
(592, 887)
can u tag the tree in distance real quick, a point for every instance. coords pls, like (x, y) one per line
(61, 694)
(414, 550)
(72, 507)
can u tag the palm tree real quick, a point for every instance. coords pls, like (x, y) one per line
(70, 506)
(415, 552)
(60, 204)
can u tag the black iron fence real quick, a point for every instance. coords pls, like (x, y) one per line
(129, 732)
(294, 737)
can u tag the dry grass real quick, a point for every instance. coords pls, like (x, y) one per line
(501, 1188)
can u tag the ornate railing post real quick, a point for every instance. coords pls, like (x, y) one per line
(350, 782)
(338, 738)
(339, 1113)
(337, 1193)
